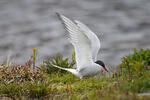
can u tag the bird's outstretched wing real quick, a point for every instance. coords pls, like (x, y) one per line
(80, 41)
(93, 38)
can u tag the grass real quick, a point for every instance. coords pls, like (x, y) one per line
(49, 83)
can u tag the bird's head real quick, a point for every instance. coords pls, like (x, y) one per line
(99, 62)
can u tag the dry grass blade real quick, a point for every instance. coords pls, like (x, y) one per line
(20, 73)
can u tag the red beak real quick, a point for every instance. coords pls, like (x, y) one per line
(105, 69)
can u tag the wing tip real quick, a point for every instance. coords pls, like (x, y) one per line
(58, 15)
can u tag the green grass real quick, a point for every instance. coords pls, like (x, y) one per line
(46, 82)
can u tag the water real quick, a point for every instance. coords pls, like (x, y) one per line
(25, 24)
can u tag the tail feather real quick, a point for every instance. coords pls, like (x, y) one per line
(59, 67)
(73, 71)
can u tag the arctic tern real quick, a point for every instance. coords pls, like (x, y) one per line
(86, 45)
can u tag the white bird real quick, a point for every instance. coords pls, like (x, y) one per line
(86, 45)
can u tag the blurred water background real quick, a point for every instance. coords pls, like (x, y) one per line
(25, 24)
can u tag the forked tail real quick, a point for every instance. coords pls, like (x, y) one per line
(73, 71)
(59, 67)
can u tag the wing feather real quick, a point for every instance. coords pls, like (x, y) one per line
(93, 38)
(80, 41)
